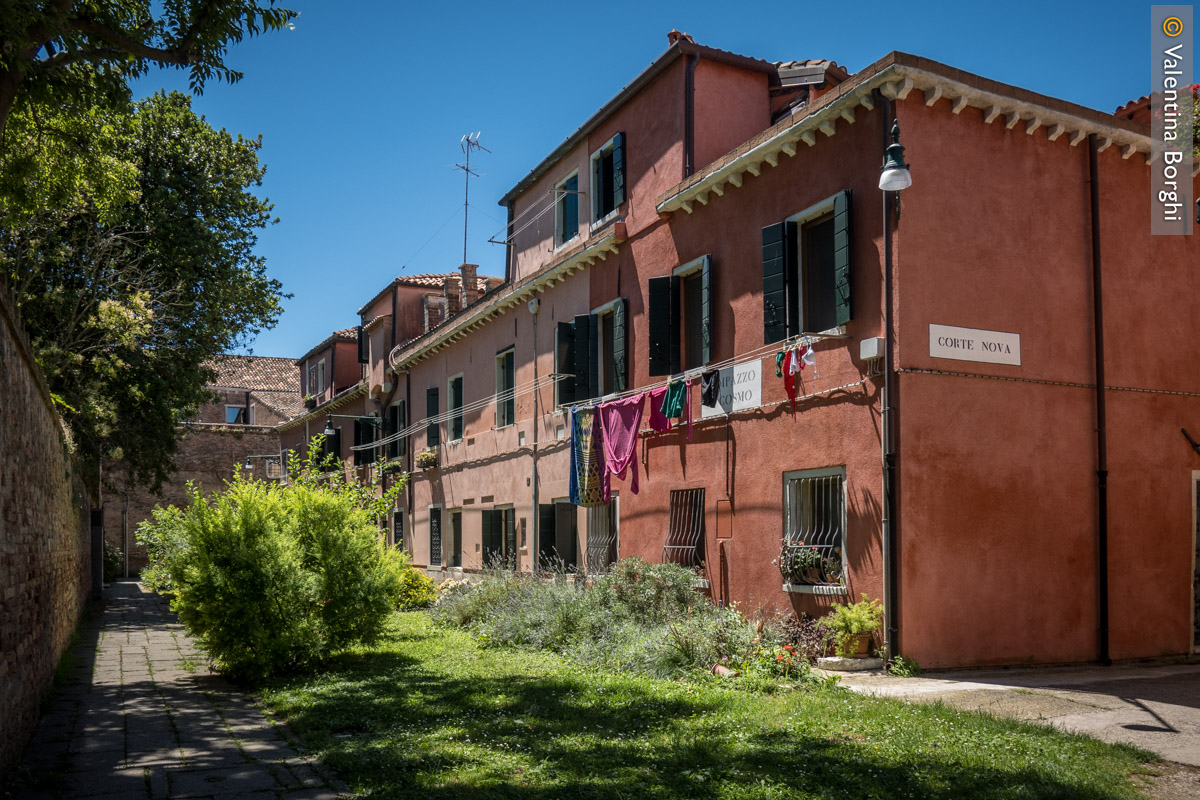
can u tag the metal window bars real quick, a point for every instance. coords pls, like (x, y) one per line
(814, 525)
(601, 538)
(685, 531)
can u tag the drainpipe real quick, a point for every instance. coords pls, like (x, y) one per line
(890, 522)
(125, 536)
(1101, 416)
(689, 116)
(408, 444)
(535, 548)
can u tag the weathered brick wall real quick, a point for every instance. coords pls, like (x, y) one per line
(45, 556)
(207, 455)
(215, 412)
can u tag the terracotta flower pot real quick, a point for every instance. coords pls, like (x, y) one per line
(857, 645)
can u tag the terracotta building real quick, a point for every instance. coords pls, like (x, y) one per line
(1004, 336)
(253, 394)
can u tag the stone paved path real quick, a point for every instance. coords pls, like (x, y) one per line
(143, 717)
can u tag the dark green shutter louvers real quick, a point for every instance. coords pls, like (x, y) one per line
(706, 311)
(842, 286)
(620, 346)
(432, 435)
(564, 362)
(358, 439)
(585, 357)
(775, 282)
(658, 304)
(364, 347)
(546, 535)
(618, 169)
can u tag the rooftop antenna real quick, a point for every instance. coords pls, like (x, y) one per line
(468, 143)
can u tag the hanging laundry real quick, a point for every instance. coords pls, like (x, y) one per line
(620, 421)
(710, 388)
(809, 356)
(795, 360)
(779, 359)
(789, 377)
(589, 476)
(658, 422)
(672, 405)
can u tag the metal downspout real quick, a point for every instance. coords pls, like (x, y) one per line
(890, 518)
(1101, 414)
(535, 543)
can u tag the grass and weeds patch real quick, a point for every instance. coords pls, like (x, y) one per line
(640, 617)
(429, 712)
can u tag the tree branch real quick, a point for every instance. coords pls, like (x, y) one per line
(181, 55)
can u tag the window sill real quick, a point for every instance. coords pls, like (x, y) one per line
(827, 589)
(563, 245)
(607, 218)
(700, 583)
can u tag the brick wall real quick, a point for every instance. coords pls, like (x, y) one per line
(215, 412)
(45, 556)
(207, 455)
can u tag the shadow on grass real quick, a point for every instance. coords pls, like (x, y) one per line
(406, 724)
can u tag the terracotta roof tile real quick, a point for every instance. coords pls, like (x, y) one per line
(260, 373)
(437, 280)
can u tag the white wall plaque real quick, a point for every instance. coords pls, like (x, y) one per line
(973, 344)
(741, 389)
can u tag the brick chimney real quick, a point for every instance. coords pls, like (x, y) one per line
(470, 284)
(674, 36)
(453, 294)
(432, 306)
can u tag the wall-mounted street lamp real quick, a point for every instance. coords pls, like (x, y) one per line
(894, 175)
(329, 430)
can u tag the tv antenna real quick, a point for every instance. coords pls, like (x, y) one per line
(468, 143)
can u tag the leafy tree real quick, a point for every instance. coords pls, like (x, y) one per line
(79, 54)
(137, 271)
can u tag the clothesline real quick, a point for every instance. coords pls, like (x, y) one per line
(529, 387)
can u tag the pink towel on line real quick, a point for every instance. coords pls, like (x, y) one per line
(657, 421)
(620, 421)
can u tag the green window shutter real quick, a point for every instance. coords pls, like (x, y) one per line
(775, 282)
(586, 379)
(706, 310)
(618, 169)
(658, 302)
(564, 362)
(364, 347)
(432, 435)
(546, 534)
(620, 346)
(842, 286)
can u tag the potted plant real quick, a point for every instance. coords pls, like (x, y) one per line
(392, 467)
(801, 563)
(852, 626)
(310, 401)
(427, 458)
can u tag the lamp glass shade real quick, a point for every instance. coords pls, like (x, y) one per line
(895, 179)
(329, 431)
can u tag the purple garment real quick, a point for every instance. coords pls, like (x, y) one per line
(657, 421)
(620, 421)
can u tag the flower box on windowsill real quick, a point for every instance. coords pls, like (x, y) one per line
(700, 583)
(310, 403)
(835, 589)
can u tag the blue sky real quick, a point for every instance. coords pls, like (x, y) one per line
(362, 105)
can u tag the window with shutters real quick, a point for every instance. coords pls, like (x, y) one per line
(591, 354)
(506, 401)
(454, 407)
(807, 271)
(680, 318)
(566, 210)
(608, 180)
(398, 528)
(814, 527)
(685, 529)
(557, 535)
(396, 420)
(320, 376)
(433, 434)
(364, 434)
(454, 556)
(603, 523)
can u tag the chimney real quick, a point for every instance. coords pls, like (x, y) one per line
(432, 305)
(674, 36)
(452, 292)
(470, 284)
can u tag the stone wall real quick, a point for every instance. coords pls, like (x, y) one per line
(207, 455)
(45, 554)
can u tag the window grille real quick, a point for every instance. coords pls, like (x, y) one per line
(435, 537)
(685, 531)
(602, 524)
(814, 527)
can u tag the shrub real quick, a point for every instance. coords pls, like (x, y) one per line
(413, 588)
(114, 562)
(273, 578)
(849, 619)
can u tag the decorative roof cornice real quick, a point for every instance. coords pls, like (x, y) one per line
(596, 248)
(337, 402)
(896, 75)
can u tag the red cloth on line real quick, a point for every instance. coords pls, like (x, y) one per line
(620, 421)
(789, 376)
(657, 421)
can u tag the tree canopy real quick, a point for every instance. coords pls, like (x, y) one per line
(126, 243)
(80, 54)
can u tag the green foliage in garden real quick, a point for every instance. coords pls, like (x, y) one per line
(272, 578)
(114, 562)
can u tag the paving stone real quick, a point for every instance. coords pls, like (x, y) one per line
(220, 781)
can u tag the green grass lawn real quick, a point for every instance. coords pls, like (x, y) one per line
(429, 713)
